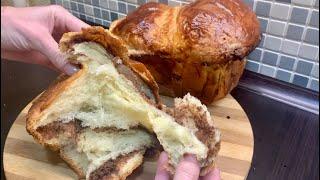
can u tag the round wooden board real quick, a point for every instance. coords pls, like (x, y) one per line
(23, 158)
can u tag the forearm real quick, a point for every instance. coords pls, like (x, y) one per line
(3, 18)
(4, 54)
(8, 33)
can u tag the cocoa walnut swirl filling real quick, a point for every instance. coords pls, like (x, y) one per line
(54, 129)
(106, 170)
(116, 48)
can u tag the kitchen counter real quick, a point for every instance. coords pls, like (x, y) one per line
(284, 118)
(286, 135)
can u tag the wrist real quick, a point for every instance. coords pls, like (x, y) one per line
(8, 19)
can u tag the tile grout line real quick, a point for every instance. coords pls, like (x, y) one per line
(282, 41)
(302, 40)
(264, 41)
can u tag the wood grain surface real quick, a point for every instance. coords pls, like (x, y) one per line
(23, 158)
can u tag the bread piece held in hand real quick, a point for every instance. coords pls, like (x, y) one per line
(104, 117)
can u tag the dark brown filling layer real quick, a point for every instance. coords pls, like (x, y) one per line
(71, 129)
(54, 129)
(111, 167)
(141, 86)
(161, 68)
(196, 118)
(138, 82)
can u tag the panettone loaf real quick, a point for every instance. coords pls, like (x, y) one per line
(197, 48)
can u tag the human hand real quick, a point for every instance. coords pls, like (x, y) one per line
(188, 169)
(31, 35)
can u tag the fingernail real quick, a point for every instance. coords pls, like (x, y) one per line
(163, 158)
(190, 158)
(70, 69)
(163, 155)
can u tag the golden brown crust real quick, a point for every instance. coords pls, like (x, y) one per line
(200, 53)
(211, 31)
(208, 82)
(129, 171)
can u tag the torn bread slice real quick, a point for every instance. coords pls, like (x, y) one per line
(106, 95)
(87, 150)
(106, 154)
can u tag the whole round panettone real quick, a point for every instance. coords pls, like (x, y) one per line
(197, 48)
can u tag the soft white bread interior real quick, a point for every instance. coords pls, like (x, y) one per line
(102, 122)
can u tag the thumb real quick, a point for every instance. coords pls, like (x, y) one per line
(188, 169)
(50, 49)
(162, 173)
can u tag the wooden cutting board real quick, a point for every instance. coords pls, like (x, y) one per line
(25, 159)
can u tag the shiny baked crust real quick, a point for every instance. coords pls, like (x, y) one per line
(197, 48)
